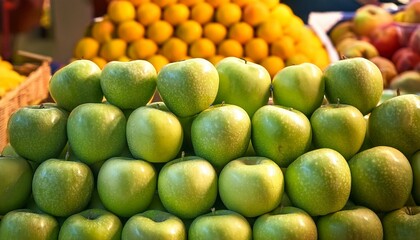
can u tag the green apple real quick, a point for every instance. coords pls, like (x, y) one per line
(15, 183)
(280, 133)
(188, 87)
(288, 223)
(91, 224)
(151, 129)
(341, 127)
(220, 224)
(126, 186)
(352, 222)
(25, 224)
(38, 132)
(415, 165)
(154, 224)
(251, 186)
(9, 151)
(96, 132)
(355, 81)
(402, 223)
(300, 87)
(95, 200)
(128, 85)
(186, 123)
(76, 83)
(62, 188)
(381, 178)
(187, 186)
(221, 133)
(243, 83)
(396, 123)
(319, 181)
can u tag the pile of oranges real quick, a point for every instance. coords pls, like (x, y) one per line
(162, 31)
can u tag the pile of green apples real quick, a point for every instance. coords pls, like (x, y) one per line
(203, 151)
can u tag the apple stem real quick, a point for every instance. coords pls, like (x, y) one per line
(41, 106)
(182, 154)
(213, 210)
(244, 60)
(409, 210)
(338, 102)
(398, 92)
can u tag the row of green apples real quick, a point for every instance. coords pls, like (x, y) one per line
(330, 154)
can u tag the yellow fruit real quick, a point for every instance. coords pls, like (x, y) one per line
(294, 28)
(137, 3)
(158, 61)
(148, 13)
(5, 64)
(99, 61)
(202, 12)
(159, 31)
(241, 32)
(283, 48)
(215, 59)
(256, 49)
(103, 30)
(270, 3)
(124, 59)
(273, 64)
(242, 3)
(282, 13)
(174, 49)
(120, 11)
(189, 3)
(2, 92)
(255, 13)
(269, 30)
(296, 59)
(214, 31)
(216, 3)
(142, 49)
(230, 48)
(164, 3)
(86, 48)
(202, 48)
(176, 14)
(189, 31)
(228, 14)
(130, 31)
(113, 49)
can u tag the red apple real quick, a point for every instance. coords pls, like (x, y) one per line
(369, 17)
(414, 41)
(386, 40)
(387, 67)
(405, 59)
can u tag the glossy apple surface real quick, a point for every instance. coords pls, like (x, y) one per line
(319, 181)
(381, 178)
(126, 186)
(128, 85)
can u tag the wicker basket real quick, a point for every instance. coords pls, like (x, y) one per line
(31, 91)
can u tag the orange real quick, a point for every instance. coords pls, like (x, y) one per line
(103, 30)
(273, 64)
(242, 3)
(216, 3)
(228, 14)
(113, 49)
(130, 30)
(142, 49)
(270, 3)
(282, 13)
(214, 31)
(120, 11)
(174, 49)
(137, 3)
(190, 3)
(176, 13)
(255, 13)
(148, 13)
(159, 31)
(256, 49)
(269, 30)
(189, 31)
(296, 59)
(202, 12)
(294, 28)
(230, 48)
(202, 48)
(164, 3)
(241, 32)
(215, 59)
(86, 48)
(99, 61)
(158, 61)
(283, 48)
